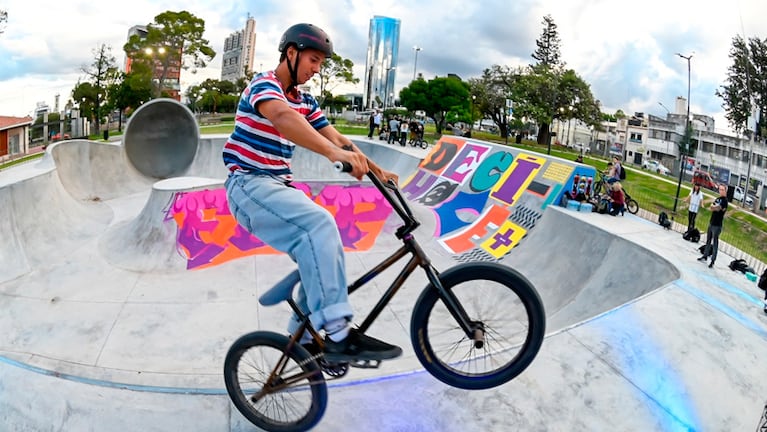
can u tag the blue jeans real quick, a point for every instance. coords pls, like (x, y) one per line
(289, 221)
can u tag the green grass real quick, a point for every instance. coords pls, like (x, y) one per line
(21, 160)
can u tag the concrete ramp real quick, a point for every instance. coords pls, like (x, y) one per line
(581, 270)
(123, 294)
(161, 138)
(41, 223)
(150, 241)
(96, 171)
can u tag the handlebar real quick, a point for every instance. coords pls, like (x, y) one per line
(392, 194)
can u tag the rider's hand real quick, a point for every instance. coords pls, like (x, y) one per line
(384, 175)
(358, 161)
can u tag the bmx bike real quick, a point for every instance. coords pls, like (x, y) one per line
(476, 325)
(418, 141)
(600, 189)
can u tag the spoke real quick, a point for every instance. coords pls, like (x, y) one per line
(504, 320)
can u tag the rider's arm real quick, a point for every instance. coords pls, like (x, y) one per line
(294, 127)
(341, 141)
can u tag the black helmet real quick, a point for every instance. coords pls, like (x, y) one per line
(306, 36)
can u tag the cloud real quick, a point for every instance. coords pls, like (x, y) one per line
(625, 51)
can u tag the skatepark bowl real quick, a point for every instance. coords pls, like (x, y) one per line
(125, 279)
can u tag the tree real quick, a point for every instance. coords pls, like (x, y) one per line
(102, 73)
(548, 52)
(438, 98)
(131, 90)
(85, 94)
(3, 19)
(745, 89)
(334, 71)
(177, 38)
(214, 96)
(244, 81)
(492, 90)
(544, 94)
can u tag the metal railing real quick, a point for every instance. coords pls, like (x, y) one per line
(739, 239)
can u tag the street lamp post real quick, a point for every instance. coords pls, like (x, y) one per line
(415, 64)
(664, 107)
(686, 132)
(471, 115)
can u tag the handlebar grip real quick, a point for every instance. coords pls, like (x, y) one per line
(342, 166)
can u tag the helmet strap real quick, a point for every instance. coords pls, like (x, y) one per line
(293, 69)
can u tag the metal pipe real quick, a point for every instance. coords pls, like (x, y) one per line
(685, 137)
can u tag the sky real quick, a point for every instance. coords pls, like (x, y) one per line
(627, 51)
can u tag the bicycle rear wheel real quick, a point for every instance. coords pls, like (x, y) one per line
(294, 399)
(502, 304)
(632, 206)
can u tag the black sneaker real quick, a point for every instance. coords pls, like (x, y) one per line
(358, 346)
(703, 258)
(312, 347)
(711, 265)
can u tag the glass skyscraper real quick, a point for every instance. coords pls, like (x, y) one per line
(381, 66)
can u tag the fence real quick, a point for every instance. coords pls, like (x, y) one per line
(739, 239)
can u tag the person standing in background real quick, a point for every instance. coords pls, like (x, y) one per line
(718, 208)
(694, 199)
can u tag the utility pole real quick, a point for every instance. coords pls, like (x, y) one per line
(415, 64)
(686, 132)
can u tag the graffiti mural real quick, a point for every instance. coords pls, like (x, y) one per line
(208, 234)
(486, 198)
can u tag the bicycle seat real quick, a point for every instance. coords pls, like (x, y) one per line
(281, 291)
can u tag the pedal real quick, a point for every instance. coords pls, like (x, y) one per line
(365, 364)
(334, 370)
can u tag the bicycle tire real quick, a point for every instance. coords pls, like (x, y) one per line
(264, 412)
(424, 144)
(632, 206)
(597, 189)
(430, 313)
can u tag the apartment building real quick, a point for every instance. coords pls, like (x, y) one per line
(381, 63)
(729, 159)
(239, 50)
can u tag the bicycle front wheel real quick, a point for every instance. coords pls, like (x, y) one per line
(632, 206)
(274, 389)
(501, 304)
(424, 144)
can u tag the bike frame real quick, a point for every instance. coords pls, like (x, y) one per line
(418, 259)
(391, 193)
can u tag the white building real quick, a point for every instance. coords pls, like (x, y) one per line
(239, 50)
(724, 156)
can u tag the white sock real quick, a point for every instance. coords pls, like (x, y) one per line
(337, 330)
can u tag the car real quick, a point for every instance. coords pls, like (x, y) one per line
(704, 179)
(57, 137)
(737, 195)
(580, 148)
(656, 166)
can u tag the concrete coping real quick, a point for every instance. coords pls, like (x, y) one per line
(186, 183)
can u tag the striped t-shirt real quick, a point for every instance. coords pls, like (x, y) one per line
(255, 145)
